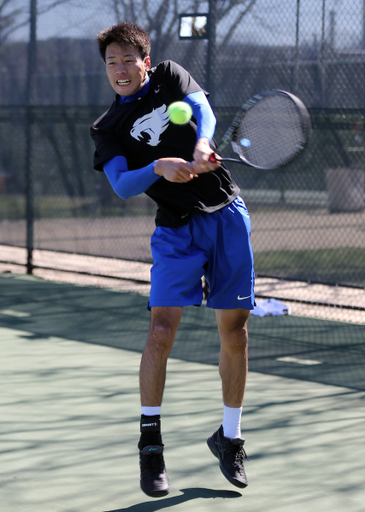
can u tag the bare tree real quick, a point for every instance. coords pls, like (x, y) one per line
(14, 14)
(9, 19)
(160, 17)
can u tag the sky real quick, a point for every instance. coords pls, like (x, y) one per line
(269, 22)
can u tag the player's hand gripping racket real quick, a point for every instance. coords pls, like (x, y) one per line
(268, 132)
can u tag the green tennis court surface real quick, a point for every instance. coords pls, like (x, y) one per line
(292, 346)
(70, 408)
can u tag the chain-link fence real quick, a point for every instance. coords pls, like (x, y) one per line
(308, 219)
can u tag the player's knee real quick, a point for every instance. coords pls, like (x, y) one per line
(235, 339)
(162, 333)
(232, 322)
(161, 338)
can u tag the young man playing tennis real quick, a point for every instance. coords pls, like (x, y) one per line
(202, 228)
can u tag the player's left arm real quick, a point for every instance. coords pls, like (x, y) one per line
(206, 123)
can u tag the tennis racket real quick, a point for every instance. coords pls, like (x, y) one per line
(268, 132)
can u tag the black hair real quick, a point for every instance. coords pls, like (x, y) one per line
(125, 34)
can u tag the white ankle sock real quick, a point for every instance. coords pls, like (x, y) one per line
(150, 411)
(232, 422)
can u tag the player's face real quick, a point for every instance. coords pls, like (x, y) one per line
(126, 70)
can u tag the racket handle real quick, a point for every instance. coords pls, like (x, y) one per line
(213, 158)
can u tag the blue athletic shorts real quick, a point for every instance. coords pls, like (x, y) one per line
(216, 245)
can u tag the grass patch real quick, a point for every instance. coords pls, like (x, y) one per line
(343, 265)
(59, 207)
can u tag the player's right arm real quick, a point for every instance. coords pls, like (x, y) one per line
(128, 183)
(176, 170)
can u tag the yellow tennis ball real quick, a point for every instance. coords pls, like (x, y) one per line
(179, 112)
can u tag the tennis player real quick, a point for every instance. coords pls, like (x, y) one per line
(202, 228)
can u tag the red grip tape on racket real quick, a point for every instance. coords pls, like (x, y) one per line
(213, 158)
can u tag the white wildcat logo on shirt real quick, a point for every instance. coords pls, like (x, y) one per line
(150, 126)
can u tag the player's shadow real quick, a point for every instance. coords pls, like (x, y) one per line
(188, 495)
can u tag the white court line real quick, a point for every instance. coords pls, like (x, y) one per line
(12, 312)
(297, 360)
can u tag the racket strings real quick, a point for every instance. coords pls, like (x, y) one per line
(271, 133)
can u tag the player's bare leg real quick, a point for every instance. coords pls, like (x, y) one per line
(160, 340)
(233, 362)
(232, 325)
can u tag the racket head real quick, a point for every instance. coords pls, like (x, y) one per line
(271, 130)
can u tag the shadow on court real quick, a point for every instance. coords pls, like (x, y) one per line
(296, 347)
(188, 495)
(70, 414)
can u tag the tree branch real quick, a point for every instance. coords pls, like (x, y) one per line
(236, 23)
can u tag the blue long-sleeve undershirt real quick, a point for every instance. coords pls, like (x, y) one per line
(132, 183)
(128, 183)
(203, 114)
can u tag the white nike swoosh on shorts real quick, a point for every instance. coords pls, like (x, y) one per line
(242, 298)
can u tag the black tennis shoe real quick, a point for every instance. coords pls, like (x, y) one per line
(154, 480)
(230, 453)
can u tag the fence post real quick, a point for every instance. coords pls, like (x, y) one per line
(29, 91)
(322, 56)
(296, 51)
(211, 49)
